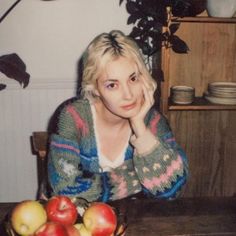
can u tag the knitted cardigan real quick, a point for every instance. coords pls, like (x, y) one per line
(73, 162)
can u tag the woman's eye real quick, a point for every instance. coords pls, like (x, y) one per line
(133, 78)
(111, 86)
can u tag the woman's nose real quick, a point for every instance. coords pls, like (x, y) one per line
(127, 92)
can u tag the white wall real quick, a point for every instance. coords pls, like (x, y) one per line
(50, 37)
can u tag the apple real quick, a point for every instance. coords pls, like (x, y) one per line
(82, 230)
(51, 229)
(27, 217)
(61, 209)
(72, 230)
(120, 231)
(100, 219)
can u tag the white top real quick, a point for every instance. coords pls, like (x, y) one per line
(105, 163)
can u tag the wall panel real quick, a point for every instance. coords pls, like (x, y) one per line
(209, 139)
(22, 112)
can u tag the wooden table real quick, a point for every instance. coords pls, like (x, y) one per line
(182, 217)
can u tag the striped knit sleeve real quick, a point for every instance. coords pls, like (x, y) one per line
(65, 176)
(163, 170)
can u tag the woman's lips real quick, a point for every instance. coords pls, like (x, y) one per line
(129, 106)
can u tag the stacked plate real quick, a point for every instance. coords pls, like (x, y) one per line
(221, 93)
(182, 94)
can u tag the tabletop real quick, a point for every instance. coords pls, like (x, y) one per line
(181, 217)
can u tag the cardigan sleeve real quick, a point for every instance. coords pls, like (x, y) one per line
(64, 172)
(160, 172)
(163, 170)
(65, 176)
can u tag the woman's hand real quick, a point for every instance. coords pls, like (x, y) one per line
(137, 122)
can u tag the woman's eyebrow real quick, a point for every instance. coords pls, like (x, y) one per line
(115, 80)
(134, 73)
(110, 80)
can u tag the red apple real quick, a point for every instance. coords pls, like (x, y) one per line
(27, 217)
(51, 229)
(100, 219)
(62, 210)
(72, 230)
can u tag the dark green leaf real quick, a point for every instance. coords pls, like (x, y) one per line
(132, 19)
(178, 45)
(132, 8)
(181, 7)
(157, 26)
(146, 24)
(136, 32)
(2, 86)
(13, 67)
(174, 27)
(146, 48)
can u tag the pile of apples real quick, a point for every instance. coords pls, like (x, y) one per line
(58, 218)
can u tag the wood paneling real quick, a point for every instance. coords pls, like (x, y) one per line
(209, 139)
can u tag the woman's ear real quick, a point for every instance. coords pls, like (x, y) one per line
(96, 93)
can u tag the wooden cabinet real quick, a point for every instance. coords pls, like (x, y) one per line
(205, 130)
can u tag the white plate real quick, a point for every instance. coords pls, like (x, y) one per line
(217, 100)
(222, 86)
(182, 103)
(182, 88)
(222, 94)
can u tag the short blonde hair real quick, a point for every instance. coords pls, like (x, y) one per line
(107, 47)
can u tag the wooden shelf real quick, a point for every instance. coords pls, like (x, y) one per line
(200, 103)
(204, 19)
(205, 131)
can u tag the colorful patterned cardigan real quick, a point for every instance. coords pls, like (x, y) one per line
(73, 164)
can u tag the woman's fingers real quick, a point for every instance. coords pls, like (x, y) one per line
(137, 122)
(148, 96)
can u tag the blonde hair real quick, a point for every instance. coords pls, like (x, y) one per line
(107, 47)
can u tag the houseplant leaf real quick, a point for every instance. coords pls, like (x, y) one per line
(136, 32)
(2, 86)
(174, 27)
(178, 45)
(13, 67)
(132, 7)
(132, 19)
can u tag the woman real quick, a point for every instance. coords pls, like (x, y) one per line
(112, 144)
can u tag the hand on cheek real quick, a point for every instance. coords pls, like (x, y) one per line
(137, 122)
(148, 95)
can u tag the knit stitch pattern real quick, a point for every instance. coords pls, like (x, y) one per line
(73, 162)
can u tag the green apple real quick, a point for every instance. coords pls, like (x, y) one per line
(82, 230)
(27, 217)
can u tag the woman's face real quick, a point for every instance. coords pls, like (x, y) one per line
(120, 88)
